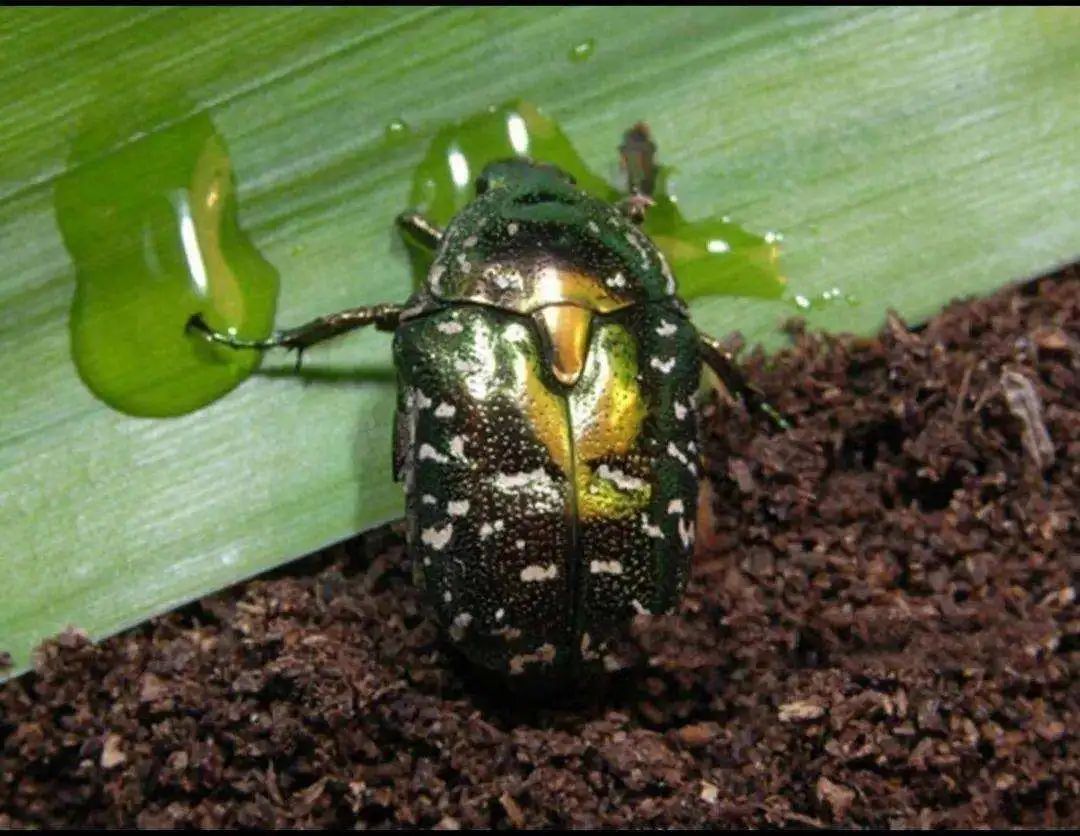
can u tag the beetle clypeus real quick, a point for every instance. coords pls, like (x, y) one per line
(546, 427)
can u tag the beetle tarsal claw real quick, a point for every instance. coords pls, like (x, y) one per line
(197, 323)
(564, 330)
(636, 206)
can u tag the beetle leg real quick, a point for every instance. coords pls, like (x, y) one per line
(721, 362)
(383, 317)
(419, 230)
(637, 157)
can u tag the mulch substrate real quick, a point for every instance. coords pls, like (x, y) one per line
(882, 630)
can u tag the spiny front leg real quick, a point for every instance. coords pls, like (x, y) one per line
(383, 317)
(721, 362)
(419, 230)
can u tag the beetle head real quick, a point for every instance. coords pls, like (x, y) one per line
(522, 178)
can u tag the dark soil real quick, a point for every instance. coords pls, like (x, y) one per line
(883, 630)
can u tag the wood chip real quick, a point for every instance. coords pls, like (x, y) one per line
(837, 796)
(800, 711)
(1024, 403)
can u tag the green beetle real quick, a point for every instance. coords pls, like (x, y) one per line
(546, 426)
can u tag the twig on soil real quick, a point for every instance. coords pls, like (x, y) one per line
(965, 384)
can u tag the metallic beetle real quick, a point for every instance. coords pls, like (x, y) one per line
(546, 427)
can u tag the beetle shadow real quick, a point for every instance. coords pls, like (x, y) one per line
(333, 375)
(566, 703)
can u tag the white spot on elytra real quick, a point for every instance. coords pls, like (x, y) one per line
(666, 329)
(420, 400)
(680, 410)
(463, 263)
(450, 327)
(512, 481)
(520, 544)
(429, 452)
(511, 228)
(499, 614)
(437, 538)
(445, 410)
(677, 453)
(448, 596)
(594, 228)
(605, 567)
(686, 532)
(457, 508)
(664, 366)
(650, 529)
(621, 479)
(618, 280)
(428, 499)
(470, 242)
(457, 627)
(457, 446)
(487, 529)
(676, 507)
(535, 573)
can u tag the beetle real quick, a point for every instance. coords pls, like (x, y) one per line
(546, 430)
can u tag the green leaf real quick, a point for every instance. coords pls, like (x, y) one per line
(906, 156)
